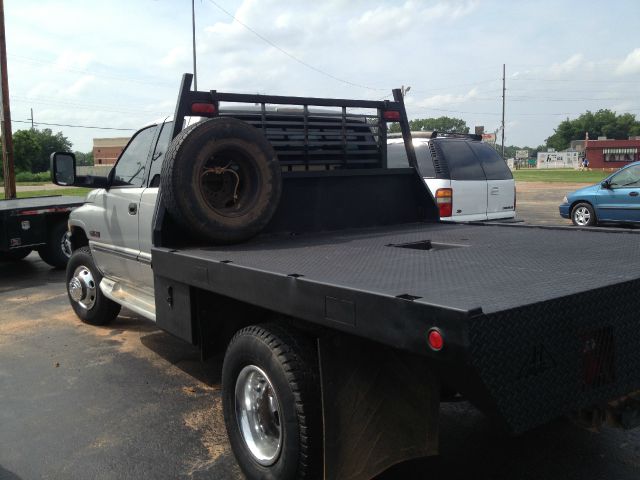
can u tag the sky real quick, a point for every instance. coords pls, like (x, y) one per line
(117, 64)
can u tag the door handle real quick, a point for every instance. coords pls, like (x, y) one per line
(633, 194)
(495, 190)
(133, 208)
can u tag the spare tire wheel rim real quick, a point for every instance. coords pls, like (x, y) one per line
(230, 182)
(82, 288)
(258, 415)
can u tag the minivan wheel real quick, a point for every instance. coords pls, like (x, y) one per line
(583, 215)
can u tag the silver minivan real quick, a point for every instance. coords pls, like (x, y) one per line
(469, 180)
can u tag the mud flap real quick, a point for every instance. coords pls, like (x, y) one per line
(380, 407)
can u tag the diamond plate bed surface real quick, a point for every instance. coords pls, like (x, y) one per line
(493, 267)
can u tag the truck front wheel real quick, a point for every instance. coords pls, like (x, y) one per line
(85, 296)
(272, 405)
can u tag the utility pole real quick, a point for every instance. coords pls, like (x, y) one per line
(193, 30)
(5, 116)
(31, 119)
(503, 92)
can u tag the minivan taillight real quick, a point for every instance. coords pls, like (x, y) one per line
(444, 200)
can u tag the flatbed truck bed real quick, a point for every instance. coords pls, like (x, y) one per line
(36, 223)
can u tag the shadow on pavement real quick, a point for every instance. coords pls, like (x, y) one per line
(7, 475)
(28, 272)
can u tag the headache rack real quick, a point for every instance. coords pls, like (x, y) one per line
(308, 134)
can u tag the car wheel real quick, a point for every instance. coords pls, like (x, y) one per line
(272, 403)
(583, 215)
(57, 251)
(83, 288)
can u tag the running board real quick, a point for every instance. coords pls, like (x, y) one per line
(132, 298)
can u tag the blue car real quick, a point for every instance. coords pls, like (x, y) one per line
(615, 199)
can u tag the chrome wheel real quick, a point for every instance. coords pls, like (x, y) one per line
(82, 288)
(582, 216)
(258, 414)
(65, 244)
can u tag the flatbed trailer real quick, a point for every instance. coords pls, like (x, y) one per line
(36, 223)
(355, 311)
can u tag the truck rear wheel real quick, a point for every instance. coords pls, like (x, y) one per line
(221, 179)
(272, 403)
(57, 250)
(83, 288)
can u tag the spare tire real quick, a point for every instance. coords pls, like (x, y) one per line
(221, 179)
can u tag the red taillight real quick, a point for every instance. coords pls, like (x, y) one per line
(434, 337)
(391, 116)
(203, 108)
(444, 200)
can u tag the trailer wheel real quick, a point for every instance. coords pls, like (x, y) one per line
(272, 405)
(85, 296)
(57, 250)
(14, 255)
(221, 179)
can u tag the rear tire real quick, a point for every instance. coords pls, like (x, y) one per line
(83, 289)
(583, 215)
(14, 255)
(221, 179)
(272, 403)
(57, 250)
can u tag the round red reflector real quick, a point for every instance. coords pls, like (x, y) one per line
(436, 342)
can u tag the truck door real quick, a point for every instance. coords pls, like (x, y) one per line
(116, 246)
(621, 202)
(148, 205)
(500, 183)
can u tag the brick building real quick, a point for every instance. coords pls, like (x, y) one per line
(107, 150)
(612, 154)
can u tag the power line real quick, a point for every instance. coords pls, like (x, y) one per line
(293, 57)
(74, 126)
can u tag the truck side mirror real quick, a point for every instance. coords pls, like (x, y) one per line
(63, 168)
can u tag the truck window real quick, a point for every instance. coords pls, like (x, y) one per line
(158, 154)
(130, 169)
(397, 158)
(495, 168)
(463, 164)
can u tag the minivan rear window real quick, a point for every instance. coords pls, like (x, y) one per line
(397, 158)
(463, 164)
(495, 168)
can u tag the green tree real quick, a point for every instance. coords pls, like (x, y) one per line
(32, 148)
(84, 159)
(441, 124)
(604, 122)
(26, 149)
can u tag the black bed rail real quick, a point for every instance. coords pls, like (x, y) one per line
(304, 132)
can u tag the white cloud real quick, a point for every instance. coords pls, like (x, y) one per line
(388, 20)
(174, 56)
(570, 65)
(78, 86)
(631, 64)
(73, 60)
(447, 99)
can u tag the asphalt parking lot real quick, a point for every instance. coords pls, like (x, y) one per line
(128, 401)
